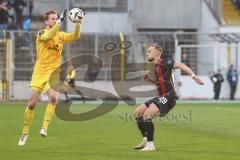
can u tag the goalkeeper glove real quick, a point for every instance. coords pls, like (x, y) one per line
(62, 16)
(83, 14)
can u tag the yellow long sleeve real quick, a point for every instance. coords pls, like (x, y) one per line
(48, 35)
(68, 37)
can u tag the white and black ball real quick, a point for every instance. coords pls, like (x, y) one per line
(75, 15)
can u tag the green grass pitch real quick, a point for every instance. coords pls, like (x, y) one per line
(189, 132)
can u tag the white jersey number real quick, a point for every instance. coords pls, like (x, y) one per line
(163, 100)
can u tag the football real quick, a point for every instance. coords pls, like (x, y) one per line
(214, 79)
(75, 15)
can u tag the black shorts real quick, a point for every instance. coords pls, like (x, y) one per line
(164, 103)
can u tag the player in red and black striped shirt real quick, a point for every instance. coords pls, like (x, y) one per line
(166, 99)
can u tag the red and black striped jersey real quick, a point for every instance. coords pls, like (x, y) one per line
(164, 80)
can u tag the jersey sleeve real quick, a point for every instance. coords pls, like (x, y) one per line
(45, 35)
(68, 37)
(169, 63)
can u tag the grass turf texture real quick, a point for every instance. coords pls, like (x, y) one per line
(191, 131)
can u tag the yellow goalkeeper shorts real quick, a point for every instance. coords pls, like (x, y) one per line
(43, 82)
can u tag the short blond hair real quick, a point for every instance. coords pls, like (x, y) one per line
(157, 47)
(46, 15)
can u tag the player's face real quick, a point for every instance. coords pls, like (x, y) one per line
(151, 53)
(52, 19)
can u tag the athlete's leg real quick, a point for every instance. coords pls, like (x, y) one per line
(151, 112)
(29, 112)
(28, 115)
(138, 115)
(49, 112)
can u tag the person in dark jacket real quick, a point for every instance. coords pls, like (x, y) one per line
(18, 6)
(4, 15)
(217, 80)
(30, 7)
(232, 77)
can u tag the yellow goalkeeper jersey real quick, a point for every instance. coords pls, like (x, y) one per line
(49, 45)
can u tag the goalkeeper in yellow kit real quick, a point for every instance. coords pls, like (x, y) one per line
(49, 44)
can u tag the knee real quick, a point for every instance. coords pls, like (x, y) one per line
(32, 103)
(53, 99)
(137, 114)
(147, 115)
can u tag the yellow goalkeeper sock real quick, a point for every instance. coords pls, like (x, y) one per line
(49, 112)
(28, 117)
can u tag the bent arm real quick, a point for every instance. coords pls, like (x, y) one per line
(68, 37)
(48, 35)
(147, 78)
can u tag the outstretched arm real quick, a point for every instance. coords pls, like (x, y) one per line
(188, 71)
(68, 37)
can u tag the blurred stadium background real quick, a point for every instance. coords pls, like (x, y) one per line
(207, 32)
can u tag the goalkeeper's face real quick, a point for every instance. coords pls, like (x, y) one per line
(52, 20)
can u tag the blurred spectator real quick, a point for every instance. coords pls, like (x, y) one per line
(217, 80)
(12, 25)
(30, 7)
(8, 4)
(18, 6)
(4, 16)
(186, 61)
(5, 5)
(232, 77)
(26, 25)
(236, 3)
